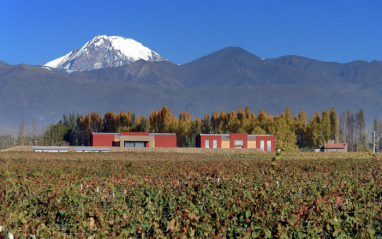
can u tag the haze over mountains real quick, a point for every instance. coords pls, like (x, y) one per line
(224, 80)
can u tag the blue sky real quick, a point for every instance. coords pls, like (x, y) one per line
(35, 32)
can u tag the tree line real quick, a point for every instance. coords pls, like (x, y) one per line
(291, 132)
(353, 131)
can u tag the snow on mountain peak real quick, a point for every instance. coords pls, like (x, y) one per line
(104, 51)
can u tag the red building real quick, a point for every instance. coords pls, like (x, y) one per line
(134, 139)
(236, 140)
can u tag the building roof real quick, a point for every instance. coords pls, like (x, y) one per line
(334, 146)
(227, 135)
(50, 148)
(150, 134)
(91, 149)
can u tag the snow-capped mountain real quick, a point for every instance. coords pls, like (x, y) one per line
(104, 51)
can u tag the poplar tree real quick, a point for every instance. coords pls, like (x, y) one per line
(231, 123)
(262, 116)
(247, 112)
(301, 129)
(183, 129)
(125, 121)
(96, 122)
(222, 123)
(240, 114)
(262, 119)
(34, 132)
(20, 138)
(379, 144)
(313, 132)
(215, 122)
(334, 125)
(154, 122)
(143, 127)
(196, 129)
(343, 129)
(376, 130)
(165, 119)
(360, 131)
(285, 137)
(325, 126)
(206, 127)
(288, 115)
(71, 134)
(350, 130)
(110, 122)
(87, 129)
(251, 123)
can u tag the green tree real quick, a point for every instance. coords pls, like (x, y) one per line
(301, 129)
(376, 130)
(215, 122)
(285, 137)
(288, 115)
(183, 130)
(223, 123)
(143, 127)
(343, 129)
(325, 126)
(258, 130)
(313, 132)
(55, 134)
(247, 112)
(70, 123)
(360, 131)
(21, 137)
(206, 127)
(350, 139)
(85, 130)
(240, 114)
(96, 122)
(379, 142)
(195, 130)
(334, 125)
(232, 125)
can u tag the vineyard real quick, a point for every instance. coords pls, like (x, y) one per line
(179, 195)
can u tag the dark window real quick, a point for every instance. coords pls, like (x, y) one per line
(139, 144)
(135, 144)
(129, 144)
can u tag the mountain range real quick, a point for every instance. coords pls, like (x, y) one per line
(224, 80)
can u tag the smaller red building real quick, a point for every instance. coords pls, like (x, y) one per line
(236, 140)
(134, 139)
(341, 147)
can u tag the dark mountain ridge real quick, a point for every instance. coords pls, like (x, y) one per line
(139, 72)
(224, 80)
(233, 66)
(237, 67)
